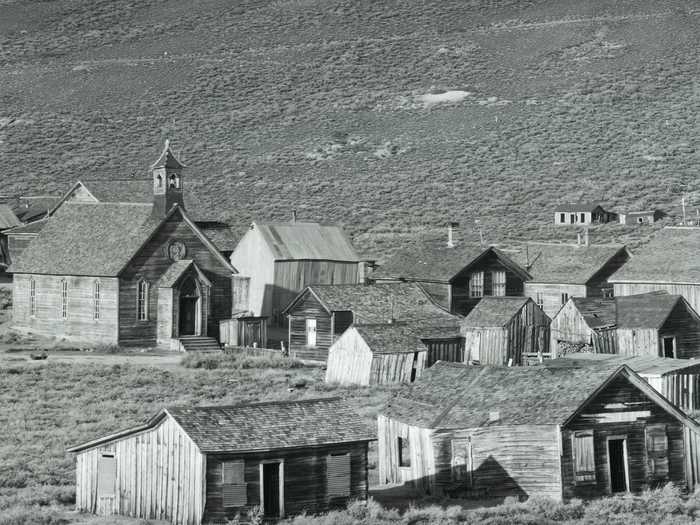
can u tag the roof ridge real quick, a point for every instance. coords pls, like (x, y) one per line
(256, 403)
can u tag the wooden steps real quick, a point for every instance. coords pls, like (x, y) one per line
(195, 343)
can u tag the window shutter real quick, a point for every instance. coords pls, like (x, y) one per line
(462, 460)
(657, 451)
(584, 457)
(338, 475)
(234, 488)
(106, 476)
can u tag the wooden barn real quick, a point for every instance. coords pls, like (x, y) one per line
(193, 465)
(506, 331)
(281, 259)
(657, 324)
(640, 217)
(677, 379)
(147, 276)
(585, 324)
(320, 314)
(456, 275)
(582, 214)
(667, 262)
(496, 432)
(561, 271)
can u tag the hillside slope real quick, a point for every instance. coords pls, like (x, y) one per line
(320, 105)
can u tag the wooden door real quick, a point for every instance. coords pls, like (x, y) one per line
(271, 490)
(617, 463)
(188, 315)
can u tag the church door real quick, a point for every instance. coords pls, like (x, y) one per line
(189, 308)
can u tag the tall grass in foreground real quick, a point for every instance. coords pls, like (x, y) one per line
(238, 361)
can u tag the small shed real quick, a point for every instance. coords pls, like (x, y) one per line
(582, 213)
(584, 324)
(506, 331)
(657, 324)
(640, 217)
(376, 354)
(193, 465)
(495, 432)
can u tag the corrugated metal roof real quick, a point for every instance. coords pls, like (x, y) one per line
(307, 241)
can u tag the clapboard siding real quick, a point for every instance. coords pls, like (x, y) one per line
(160, 475)
(150, 263)
(79, 323)
(305, 480)
(310, 308)
(691, 292)
(617, 399)
(551, 294)
(349, 360)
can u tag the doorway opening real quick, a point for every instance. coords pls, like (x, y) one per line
(189, 308)
(272, 481)
(617, 463)
(669, 346)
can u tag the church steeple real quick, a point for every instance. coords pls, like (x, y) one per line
(167, 182)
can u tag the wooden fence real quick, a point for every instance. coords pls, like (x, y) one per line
(605, 340)
(256, 351)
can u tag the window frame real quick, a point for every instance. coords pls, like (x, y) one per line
(32, 297)
(142, 302)
(96, 300)
(461, 470)
(564, 298)
(310, 322)
(587, 477)
(238, 483)
(403, 451)
(497, 285)
(64, 299)
(476, 285)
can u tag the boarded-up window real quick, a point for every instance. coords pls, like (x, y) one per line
(234, 487)
(462, 460)
(476, 284)
(311, 332)
(584, 456)
(106, 476)
(404, 452)
(657, 451)
(338, 475)
(498, 279)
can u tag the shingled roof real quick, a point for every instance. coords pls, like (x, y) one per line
(391, 339)
(645, 365)
(8, 219)
(494, 311)
(565, 263)
(670, 257)
(596, 311)
(121, 190)
(259, 427)
(578, 207)
(648, 310)
(33, 208)
(380, 303)
(307, 241)
(31, 228)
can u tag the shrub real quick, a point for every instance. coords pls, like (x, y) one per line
(22, 515)
(237, 361)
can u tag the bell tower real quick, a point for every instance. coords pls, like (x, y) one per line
(167, 182)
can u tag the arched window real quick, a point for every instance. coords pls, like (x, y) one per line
(64, 299)
(142, 300)
(96, 300)
(32, 297)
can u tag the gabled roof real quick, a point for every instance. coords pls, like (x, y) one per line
(33, 208)
(670, 257)
(379, 303)
(167, 159)
(596, 311)
(494, 311)
(307, 241)
(455, 396)
(565, 263)
(8, 219)
(258, 427)
(578, 207)
(391, 339)
(222, 235)
(31, 228)
(120, 190)
(176, 270)
(95, 239)
(648, 310)
(646, 365)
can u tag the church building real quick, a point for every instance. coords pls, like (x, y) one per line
(128, 273)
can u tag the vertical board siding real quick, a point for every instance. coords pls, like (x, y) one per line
(253, 258)
(395, 368)
(551, 294)
(80, 323)
(691, 292)
(159, 476)
(685, 326)
(450, 350)
(305, 480)
(637, 341)
(309, 308)
(349, 360)
(569, 326)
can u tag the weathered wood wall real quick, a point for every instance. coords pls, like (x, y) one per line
(305, 480)
(569, 326)
(160, 475)
(691, 292)
(682, 389)
(243, 331)
(605, 340)
(599, 284)
(396, 368)
(80, 324)
(685, 326)
(621, 410)
(450, 350)
(252, 258)
(310, 308)
(349, 360)
(551, 294)
(638, 341)
(421, 472)
(150, 263)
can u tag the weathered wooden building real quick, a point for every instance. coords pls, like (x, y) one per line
(320, 314)
(193, 465)
(657, 324)
(585, 324)
(8, 220)
(125, 273)
(506, 331)
(487, 432)
(456, 275)
(640, 217)
(667, 262)
(561, 271)
(582, 214)
(281, 259)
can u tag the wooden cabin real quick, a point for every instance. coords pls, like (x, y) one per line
(582, 214)
(668, 262)
(506, 331)
(456, 275)
(193, 465)
(657, 324)
(281, 259)
(585, 324)
(640, 217)
(147, 276)
(8, 220)
(320, 314)
(678, 380)
(561, 271)
(496, 432)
